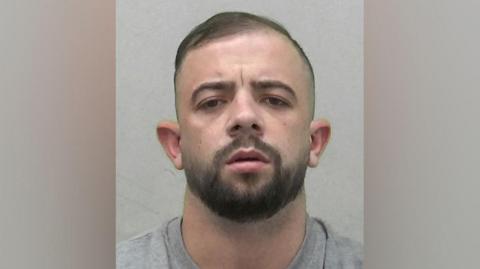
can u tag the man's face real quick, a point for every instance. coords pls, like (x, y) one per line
(244, 120)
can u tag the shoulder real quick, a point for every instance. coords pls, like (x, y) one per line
(342, 252)
(143, 251)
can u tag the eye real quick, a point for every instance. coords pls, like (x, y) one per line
(211, 104)
(275, 102)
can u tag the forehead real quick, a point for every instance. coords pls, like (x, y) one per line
(256, 42)
(258, 54)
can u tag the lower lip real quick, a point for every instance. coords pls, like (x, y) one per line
(247, 167)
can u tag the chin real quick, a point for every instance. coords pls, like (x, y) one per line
(246, 182)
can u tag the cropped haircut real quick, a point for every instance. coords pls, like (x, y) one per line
(232, 23)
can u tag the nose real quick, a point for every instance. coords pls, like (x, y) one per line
(245, 117)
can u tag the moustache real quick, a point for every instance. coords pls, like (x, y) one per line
(244, 142)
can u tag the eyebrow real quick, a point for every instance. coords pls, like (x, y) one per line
(215, 85)
(259, 85)
(269, 84)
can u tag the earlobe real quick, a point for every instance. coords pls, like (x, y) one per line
(168, 134)
(319, 137)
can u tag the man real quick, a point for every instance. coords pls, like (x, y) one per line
(245, 136)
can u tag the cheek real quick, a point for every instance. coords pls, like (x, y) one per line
(192, 142)
(198, 141)
(292, 127)
(292, 139)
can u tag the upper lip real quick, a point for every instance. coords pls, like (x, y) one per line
(244, 154)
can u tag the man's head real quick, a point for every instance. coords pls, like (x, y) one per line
(244, 100)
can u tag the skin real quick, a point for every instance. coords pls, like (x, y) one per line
(236, 105)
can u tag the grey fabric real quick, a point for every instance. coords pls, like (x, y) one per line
(163, 248)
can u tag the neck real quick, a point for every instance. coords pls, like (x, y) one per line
(216, 242)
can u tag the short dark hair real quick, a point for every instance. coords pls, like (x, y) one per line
(231, 23)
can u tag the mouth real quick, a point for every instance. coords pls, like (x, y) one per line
(247, 161)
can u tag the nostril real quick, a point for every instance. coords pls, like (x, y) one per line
(240, 128)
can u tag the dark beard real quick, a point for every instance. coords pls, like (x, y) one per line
(204, 182)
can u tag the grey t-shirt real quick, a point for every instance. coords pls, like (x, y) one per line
(164, 248)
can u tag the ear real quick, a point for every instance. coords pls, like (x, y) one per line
(168, 134)
(319, 136)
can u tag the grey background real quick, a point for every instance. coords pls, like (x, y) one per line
(150, 190)
(422, 134)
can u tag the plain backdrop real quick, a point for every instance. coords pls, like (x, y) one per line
(150, 190)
